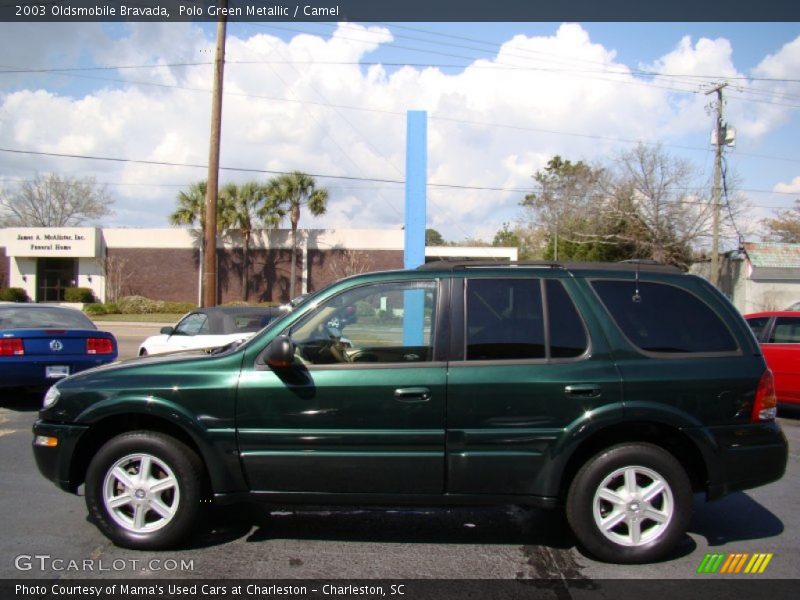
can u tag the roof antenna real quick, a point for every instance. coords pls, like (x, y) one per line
(637, 297)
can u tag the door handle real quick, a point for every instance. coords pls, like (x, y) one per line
(410, 395)
(583, 390)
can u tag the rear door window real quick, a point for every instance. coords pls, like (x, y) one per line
(786, 331)
(664, 318)
(505, 319)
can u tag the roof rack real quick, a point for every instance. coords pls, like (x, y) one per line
(626, 265)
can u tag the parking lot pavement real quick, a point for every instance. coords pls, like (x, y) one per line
(36, 518)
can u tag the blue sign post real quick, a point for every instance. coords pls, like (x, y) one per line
(415, 221)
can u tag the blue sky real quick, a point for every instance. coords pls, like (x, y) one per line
(502, 99)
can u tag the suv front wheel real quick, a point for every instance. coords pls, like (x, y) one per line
(630, 503)
(143, 489)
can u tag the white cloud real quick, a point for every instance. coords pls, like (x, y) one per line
(789, 188)
(277, 116)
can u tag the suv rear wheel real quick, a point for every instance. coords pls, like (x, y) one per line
(630, 503)
(143, 489)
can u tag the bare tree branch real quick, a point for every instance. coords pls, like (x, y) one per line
(55, 201)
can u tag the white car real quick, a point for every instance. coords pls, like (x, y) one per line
(209, 328)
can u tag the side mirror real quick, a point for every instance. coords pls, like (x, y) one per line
(167, 330)
(280, 352)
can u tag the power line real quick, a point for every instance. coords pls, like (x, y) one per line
(11, 70)
(728, 200)
(523, 190)
(6, 70)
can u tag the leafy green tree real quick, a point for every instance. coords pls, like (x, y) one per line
(434, 238)
(191, 208)
(647, 204)
(287, 194)
(506, 238)
(245, 209)
(564, 201)
(785, 227)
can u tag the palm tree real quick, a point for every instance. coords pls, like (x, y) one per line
(289, 192)
(191, 206)
(244, 208)
(191, 209)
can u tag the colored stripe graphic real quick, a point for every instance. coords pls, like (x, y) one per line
(735, 563)
(758, 563)
(711, 563)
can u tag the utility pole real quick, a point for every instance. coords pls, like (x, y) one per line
(717, 192)
(212, 189)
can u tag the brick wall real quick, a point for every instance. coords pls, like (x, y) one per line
(172, 274)
(268, 280)
(326, 266)
(157, 273)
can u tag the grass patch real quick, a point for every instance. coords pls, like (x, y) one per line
(167, 318)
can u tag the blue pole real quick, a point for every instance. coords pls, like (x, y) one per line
(416, 180)
(414, 251)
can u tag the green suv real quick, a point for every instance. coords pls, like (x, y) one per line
(614, 391)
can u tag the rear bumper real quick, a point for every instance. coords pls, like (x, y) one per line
(55, 462)
(748, 456)
(30, 372)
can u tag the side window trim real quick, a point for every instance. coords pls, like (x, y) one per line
(548, 354)
(587, 351)
(766, 331)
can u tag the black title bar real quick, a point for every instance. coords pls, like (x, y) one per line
(400, 10)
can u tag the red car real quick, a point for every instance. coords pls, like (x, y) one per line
(778, 332)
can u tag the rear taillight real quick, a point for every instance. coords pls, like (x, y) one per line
(99, 346)
(11, 347)
(765, 407)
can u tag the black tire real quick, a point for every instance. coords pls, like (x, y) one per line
(171, 462)
(645, 464)
(142, 352)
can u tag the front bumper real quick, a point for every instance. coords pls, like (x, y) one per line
(55, 462)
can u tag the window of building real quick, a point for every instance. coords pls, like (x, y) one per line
(664, 318)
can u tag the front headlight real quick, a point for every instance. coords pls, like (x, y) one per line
(51, 397)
